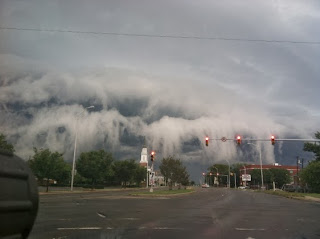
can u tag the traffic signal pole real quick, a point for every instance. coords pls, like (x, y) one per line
(152, 156)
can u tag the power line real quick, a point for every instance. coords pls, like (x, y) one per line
(163, 36)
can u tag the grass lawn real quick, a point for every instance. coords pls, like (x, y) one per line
(292, 194)
(163, 192)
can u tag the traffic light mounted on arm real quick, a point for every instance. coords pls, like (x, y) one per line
(238, 139)
(207, 141)
(273, 139)
(152, 156)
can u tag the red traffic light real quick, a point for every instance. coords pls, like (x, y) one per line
(152, 155)
(238, 139)
(207, 141)
(273, 139)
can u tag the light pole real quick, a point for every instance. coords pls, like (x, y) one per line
(229, 173)
(262, 186)
(75, 148)
(217, 175)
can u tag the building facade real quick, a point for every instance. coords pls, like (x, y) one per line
(293, 170)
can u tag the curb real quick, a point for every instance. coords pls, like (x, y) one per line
(86, 191)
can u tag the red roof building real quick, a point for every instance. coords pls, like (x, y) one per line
(293, 170)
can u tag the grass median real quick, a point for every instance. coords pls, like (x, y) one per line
(164, 192)
(307, 196)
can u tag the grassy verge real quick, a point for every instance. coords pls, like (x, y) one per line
(163, 192)
(293, 194)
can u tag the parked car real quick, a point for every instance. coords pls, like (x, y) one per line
(205, 185)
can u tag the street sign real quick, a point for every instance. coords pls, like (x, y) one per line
(223, 139)
(246, 177)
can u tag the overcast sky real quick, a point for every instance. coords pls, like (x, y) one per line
(171, 91)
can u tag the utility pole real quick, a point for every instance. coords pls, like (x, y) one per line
(297, 170)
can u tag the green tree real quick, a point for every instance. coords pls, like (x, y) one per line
(140, 174)
(223, 170)
(313, 147)
(128, 172)
(311, 176)
(280, 176)
(256, 177)
(49, 165)
(172, 169)
(235, 168)
(95, 166)
(5, 147)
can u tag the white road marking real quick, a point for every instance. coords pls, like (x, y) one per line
(79, 228)
(161, 228)
(130, 218)
(101, 215)
(167, 228)
(250, 238)
(250, 229)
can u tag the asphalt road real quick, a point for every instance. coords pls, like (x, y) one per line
(208, 213)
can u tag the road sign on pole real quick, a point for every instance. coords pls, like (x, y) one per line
(246, 177)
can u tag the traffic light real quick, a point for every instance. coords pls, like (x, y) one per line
(273, 139)
(207, 141)
(238, 139)
(152, 156)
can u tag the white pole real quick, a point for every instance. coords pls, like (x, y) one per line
(147, 177)
(151, 186)
(262, 186)
(75, 148)
(74, 159)
(229, 174)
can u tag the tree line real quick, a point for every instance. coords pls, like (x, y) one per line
(95, 169)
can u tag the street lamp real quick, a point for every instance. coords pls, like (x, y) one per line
(75, 148)
(229, 173)
(262, 186)
(217, 176)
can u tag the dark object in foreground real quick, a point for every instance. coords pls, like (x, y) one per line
(19, 198)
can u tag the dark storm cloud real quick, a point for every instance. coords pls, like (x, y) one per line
(171, 91)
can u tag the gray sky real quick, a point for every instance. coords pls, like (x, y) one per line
(169, 90)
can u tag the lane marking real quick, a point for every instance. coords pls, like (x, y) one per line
(250, 229)
(101, 215)
(161, 228)
(168, 228)
(79, 228)
(130, 218)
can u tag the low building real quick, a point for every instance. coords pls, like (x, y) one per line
(293, 170)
